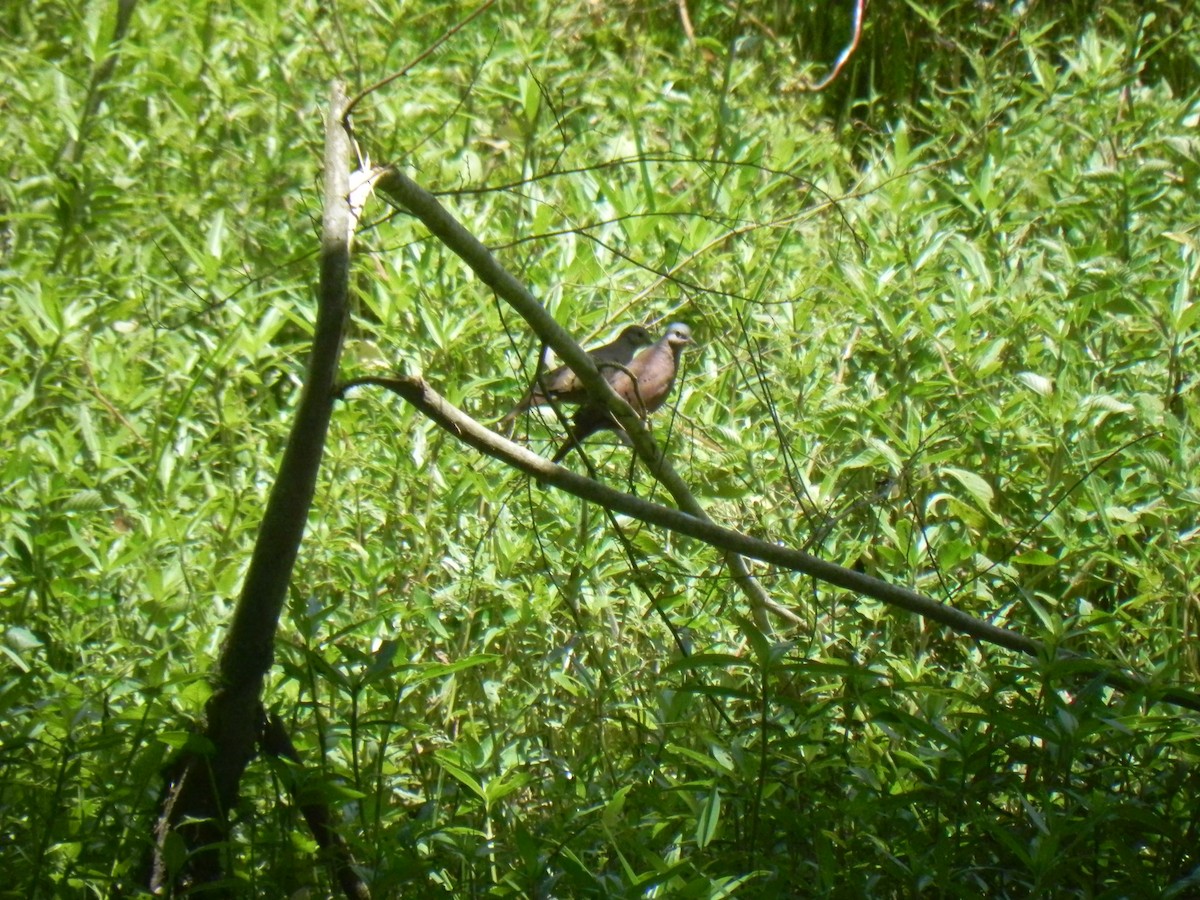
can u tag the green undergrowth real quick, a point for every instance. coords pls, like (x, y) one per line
(953, 347)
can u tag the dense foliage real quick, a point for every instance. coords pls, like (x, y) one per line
(950, 341)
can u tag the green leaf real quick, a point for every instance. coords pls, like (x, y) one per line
(615, 807)
(1039, 384)
(709, 818)
(976, 486)
(1035, 558)
(461, 775)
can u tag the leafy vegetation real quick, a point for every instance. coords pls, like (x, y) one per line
(950, 342)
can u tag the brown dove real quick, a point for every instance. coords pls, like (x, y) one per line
(563, 385)
(653, 375)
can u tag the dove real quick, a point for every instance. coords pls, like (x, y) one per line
(644, 384)
(563, 385)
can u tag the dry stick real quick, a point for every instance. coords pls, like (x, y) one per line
(444, 226)
(197, 803)
(844, 56)
(685, 20)
(417, 392)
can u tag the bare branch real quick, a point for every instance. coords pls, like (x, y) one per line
(417, 392)
(843, 57)
(206, 786)
(458, 26)
(445, 227)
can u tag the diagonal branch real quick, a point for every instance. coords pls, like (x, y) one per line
(417, 392)
(205, 788)
(444, 226)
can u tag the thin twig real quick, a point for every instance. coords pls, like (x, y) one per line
(843, 57)
(685, 20)
(420, 57)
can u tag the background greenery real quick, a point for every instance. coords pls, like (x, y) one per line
(946, 334)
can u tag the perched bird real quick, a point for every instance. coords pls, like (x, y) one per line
(653, 375)
(563, 385)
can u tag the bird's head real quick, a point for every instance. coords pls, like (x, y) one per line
(678, 336)
(635, 336)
